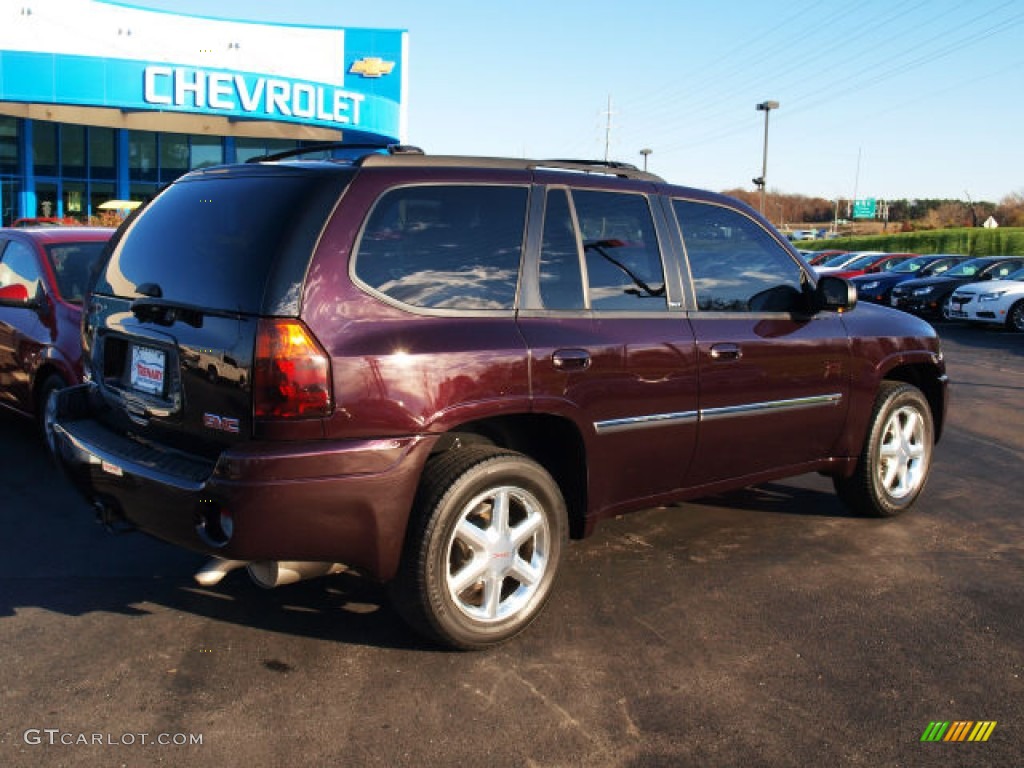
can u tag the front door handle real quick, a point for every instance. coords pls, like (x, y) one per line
(571, 359)
(726, 352)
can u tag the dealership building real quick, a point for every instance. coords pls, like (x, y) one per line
(103, 102)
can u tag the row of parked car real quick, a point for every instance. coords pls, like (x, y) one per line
(983, 290)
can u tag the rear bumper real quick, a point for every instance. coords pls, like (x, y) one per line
(344, 501)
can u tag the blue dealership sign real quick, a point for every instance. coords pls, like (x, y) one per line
(369, 101)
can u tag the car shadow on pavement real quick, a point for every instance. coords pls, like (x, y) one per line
(781, 498)
(55, 557)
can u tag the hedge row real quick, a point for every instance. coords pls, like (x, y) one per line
(976, 241)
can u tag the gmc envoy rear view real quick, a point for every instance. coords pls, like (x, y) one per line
(436, 370)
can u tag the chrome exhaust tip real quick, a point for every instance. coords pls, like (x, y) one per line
(276, 573)
(216, 569)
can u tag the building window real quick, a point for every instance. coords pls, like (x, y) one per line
(44, 148)
(101, 153)
(46, 199)
(72, 151)
(8, 146)
(142, 159)
(206, 151)
(74, 199)
(10, 189)
(99, 193)
(173, 156)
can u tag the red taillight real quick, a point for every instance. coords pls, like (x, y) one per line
(291, 373)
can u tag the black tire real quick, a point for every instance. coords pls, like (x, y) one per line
(1015, 317)
(50, 384)
(894, 463)
(505, 579)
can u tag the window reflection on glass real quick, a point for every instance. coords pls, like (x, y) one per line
(206, 151)
(624, 270)
(561, 284)
(19, 266)
(142, 160)
(446, 247)
(736, 266)
(173, 156)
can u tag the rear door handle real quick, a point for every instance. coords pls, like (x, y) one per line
(726, 352)
(571, 359)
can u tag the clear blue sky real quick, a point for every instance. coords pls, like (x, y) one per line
(928, 93)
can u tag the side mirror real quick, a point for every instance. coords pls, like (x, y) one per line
(834, 294)
(16, 296)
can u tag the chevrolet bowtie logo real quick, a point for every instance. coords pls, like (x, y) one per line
(372, 66)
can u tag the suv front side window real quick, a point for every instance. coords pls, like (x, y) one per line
(735, 264)
(445, 246)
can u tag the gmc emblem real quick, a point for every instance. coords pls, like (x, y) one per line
(220, 423)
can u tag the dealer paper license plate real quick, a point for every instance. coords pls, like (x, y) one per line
(148, 366)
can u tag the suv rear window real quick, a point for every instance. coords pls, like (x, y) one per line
(239, 242)
(445, 246)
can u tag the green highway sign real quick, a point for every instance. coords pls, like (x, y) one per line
(864, 209)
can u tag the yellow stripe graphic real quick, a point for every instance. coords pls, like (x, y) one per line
(982, 730)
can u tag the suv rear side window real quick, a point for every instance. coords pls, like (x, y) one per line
(624, 270)
(445, 246)
(736, 266)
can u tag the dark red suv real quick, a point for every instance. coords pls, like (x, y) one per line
(435, 370)
(43, 277)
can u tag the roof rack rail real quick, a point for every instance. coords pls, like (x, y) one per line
(622, 170)
(626, 170)
(391, 149)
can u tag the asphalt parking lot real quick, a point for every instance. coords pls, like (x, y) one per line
(765, 627)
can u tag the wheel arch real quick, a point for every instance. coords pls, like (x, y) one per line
(552, 441)
(931, 381)
(49, 368)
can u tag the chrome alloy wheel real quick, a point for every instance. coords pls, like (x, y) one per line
(498, 554)
(903, 453)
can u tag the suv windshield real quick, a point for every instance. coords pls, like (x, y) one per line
(245, 247)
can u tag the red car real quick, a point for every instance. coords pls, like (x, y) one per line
(43, 277)
(821, 257)
(873, 263)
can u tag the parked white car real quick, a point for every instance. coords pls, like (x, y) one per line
(840, 262)
(997, 301)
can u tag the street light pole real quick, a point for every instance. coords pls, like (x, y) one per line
(646, 153)
(766, 107)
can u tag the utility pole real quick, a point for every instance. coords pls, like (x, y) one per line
(762, 181)
(608, 129)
